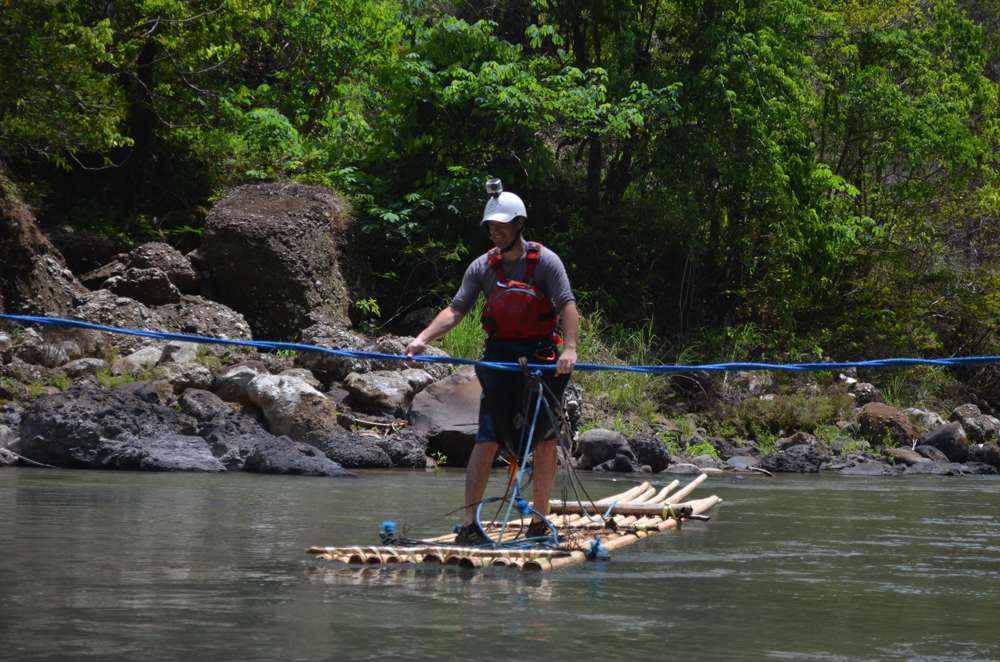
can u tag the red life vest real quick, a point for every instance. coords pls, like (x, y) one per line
(518, 311)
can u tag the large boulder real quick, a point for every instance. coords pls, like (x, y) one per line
(978, 428)
(34, 279)
(292, 407)
(985, 453)
(274, 252)
(351, 450)
(905, 456)
(232, 381)
(66, 429)
(650, 450)
(182, 376)
(191, 315)
(169, 261)
(950, 439)
(53, 346)
(160, 452)
(797, 459)
(879, 421)
(448, 413)
(330, 334)
(85, 251)
(284, 456)
(597, 446)
(406, 448)
(149, 286)
(387, 392)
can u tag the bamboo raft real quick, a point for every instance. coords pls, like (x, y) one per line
(637, 513)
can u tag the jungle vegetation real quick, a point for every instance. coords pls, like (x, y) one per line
(789, 179)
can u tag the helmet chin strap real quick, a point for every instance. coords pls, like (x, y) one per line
(514, 243)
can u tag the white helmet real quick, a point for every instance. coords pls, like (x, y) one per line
(504, 208)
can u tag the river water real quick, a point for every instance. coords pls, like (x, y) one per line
(133, 566)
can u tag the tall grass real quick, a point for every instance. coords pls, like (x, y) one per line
(466, 340)
(613, 344)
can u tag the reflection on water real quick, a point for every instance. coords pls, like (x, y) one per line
(110, 566)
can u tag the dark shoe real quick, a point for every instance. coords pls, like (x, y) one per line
(472, 536)
(539, 530)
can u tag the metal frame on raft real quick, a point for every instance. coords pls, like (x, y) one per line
(637, 513)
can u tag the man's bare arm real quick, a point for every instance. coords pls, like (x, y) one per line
(571, 331)
(445, 321)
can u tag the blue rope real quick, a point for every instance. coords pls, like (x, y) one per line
(583, 367)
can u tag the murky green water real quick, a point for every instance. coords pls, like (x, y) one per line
(110, 566)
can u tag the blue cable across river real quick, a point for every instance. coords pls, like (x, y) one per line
(585, 367)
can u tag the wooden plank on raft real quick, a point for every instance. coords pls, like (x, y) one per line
(636, 513)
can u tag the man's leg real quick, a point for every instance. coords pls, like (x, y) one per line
(478, 475)
(543, 476)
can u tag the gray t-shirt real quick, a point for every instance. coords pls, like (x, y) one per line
(550, 278)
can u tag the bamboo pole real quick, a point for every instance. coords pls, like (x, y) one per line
(687, 489)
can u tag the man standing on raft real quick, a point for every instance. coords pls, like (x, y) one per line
(525, 284)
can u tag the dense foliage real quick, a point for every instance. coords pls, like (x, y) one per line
(805, 175)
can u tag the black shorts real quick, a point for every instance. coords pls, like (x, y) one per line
(502, 409)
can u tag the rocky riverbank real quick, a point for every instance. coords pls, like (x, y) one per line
(274, 260)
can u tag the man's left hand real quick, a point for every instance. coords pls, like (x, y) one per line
(567, 362)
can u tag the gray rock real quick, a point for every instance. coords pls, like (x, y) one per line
(6, 347)
(797, 459)
(350, 450)
(985, 453)
(10, 415)
(879, 421)
(182, 376)
(329, 368)
(978, 428)
(406, 448)
(292, 407)
(598, 446)
(7, 458)
(147, 356)
(448, 413)
(56, 429)
(52, 346)
(723, 447)
(81, 367)
(304, 375)
(169, 261)
(6, 435)
(620, 463)
(797, 439)
(905, 456)
(387, 392)
(650, 450)
(949, 439)
(706, 461)
(979, 469)
(276, 252)
(931, 454)
(682, 469)
(160, 452)
(232, 381)
(741, 462)
(287, 457)
(865, 393)
(149, 286)
(202, 406)
(145, 390)
(934, 469)
(872, 469)
(179, 352)
(927, 420)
